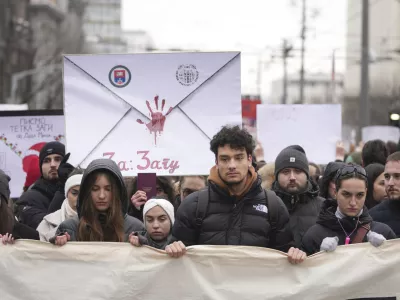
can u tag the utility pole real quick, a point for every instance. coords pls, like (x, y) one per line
(364, 110)
(286, 50)
(303, 42)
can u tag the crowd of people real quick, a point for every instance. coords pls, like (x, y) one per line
(291, 205)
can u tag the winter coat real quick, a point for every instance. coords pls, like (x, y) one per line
(48, 227)
(34, 203)
(71, 226)
(145, 239)
(329, 174)
(329, 226)
(388, 212)
(232, 220)
(303, 208)
(130, 224)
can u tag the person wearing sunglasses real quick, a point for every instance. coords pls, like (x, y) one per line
(345, 219)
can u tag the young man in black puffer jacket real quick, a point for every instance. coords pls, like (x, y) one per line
(234, 209)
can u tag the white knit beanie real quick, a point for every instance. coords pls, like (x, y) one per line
(164, 204)
(74, 180)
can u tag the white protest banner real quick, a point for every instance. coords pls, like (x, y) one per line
(315, 127)
(151, 113)
(22, 135)
(33, 270)
(384, 133)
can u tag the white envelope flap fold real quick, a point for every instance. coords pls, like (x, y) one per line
(139, 78)
(91, 112)
(218, 102)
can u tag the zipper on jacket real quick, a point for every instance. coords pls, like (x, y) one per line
(230, 223)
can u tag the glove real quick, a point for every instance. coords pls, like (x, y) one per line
(329, 244)
(64, 170)
(375, 239)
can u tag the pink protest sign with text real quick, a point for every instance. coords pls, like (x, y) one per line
(151, 113)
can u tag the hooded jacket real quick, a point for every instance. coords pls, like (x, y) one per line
(34, 203)
(233, 219)
(329, 174)
(303, 208)
(329, 226)
(130, 224)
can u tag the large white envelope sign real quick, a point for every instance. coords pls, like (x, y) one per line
(150, 112)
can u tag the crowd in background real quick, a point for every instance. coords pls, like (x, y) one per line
(292, 204)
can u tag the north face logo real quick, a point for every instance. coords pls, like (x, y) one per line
(293, 159)
(261, 207)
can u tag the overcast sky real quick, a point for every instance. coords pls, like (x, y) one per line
(249, 26)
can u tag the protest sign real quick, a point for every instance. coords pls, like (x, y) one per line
(384, 133)
(22, 135)
(315, 127)
(33, 270)
(151, 113)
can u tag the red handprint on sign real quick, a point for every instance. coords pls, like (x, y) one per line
(156, 125)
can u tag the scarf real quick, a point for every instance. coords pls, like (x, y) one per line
(66, 211)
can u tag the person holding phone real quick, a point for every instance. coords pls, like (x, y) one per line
(162, 186)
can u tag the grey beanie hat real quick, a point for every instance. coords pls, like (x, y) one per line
(292, 157)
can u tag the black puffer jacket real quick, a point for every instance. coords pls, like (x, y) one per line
(303, 208)
(230, 221)
(328, 226)
(33, 205)
(388, 212)
(130, 224)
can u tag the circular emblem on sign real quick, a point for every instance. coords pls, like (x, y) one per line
(187, 74)
(119, 76)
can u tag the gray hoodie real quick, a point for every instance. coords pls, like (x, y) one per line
(130, 225)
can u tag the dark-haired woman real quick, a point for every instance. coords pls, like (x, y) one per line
(346, 220)
(102, 208)
(376, 185)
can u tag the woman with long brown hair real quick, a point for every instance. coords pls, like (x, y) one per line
(102, 208)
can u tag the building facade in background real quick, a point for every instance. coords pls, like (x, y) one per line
(34, 36)
(16, 51)
(384, 66)
(319, 89)
(102, 26)
(138, 41)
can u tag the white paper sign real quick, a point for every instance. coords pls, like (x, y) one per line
(316, 128)
(150, 112)
(21, 138)
(384, 133)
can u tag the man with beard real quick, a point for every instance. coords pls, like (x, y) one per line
(233, 209)
(388, 211)
(298, 192)
(34, 203)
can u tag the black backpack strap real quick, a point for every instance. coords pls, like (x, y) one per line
(273, 210)
(201, 210)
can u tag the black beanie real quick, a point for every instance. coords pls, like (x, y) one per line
(49, 149)
(292, 157)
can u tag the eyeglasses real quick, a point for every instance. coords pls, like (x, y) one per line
(351, 169)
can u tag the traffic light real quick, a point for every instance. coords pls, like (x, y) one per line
(394, 119)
